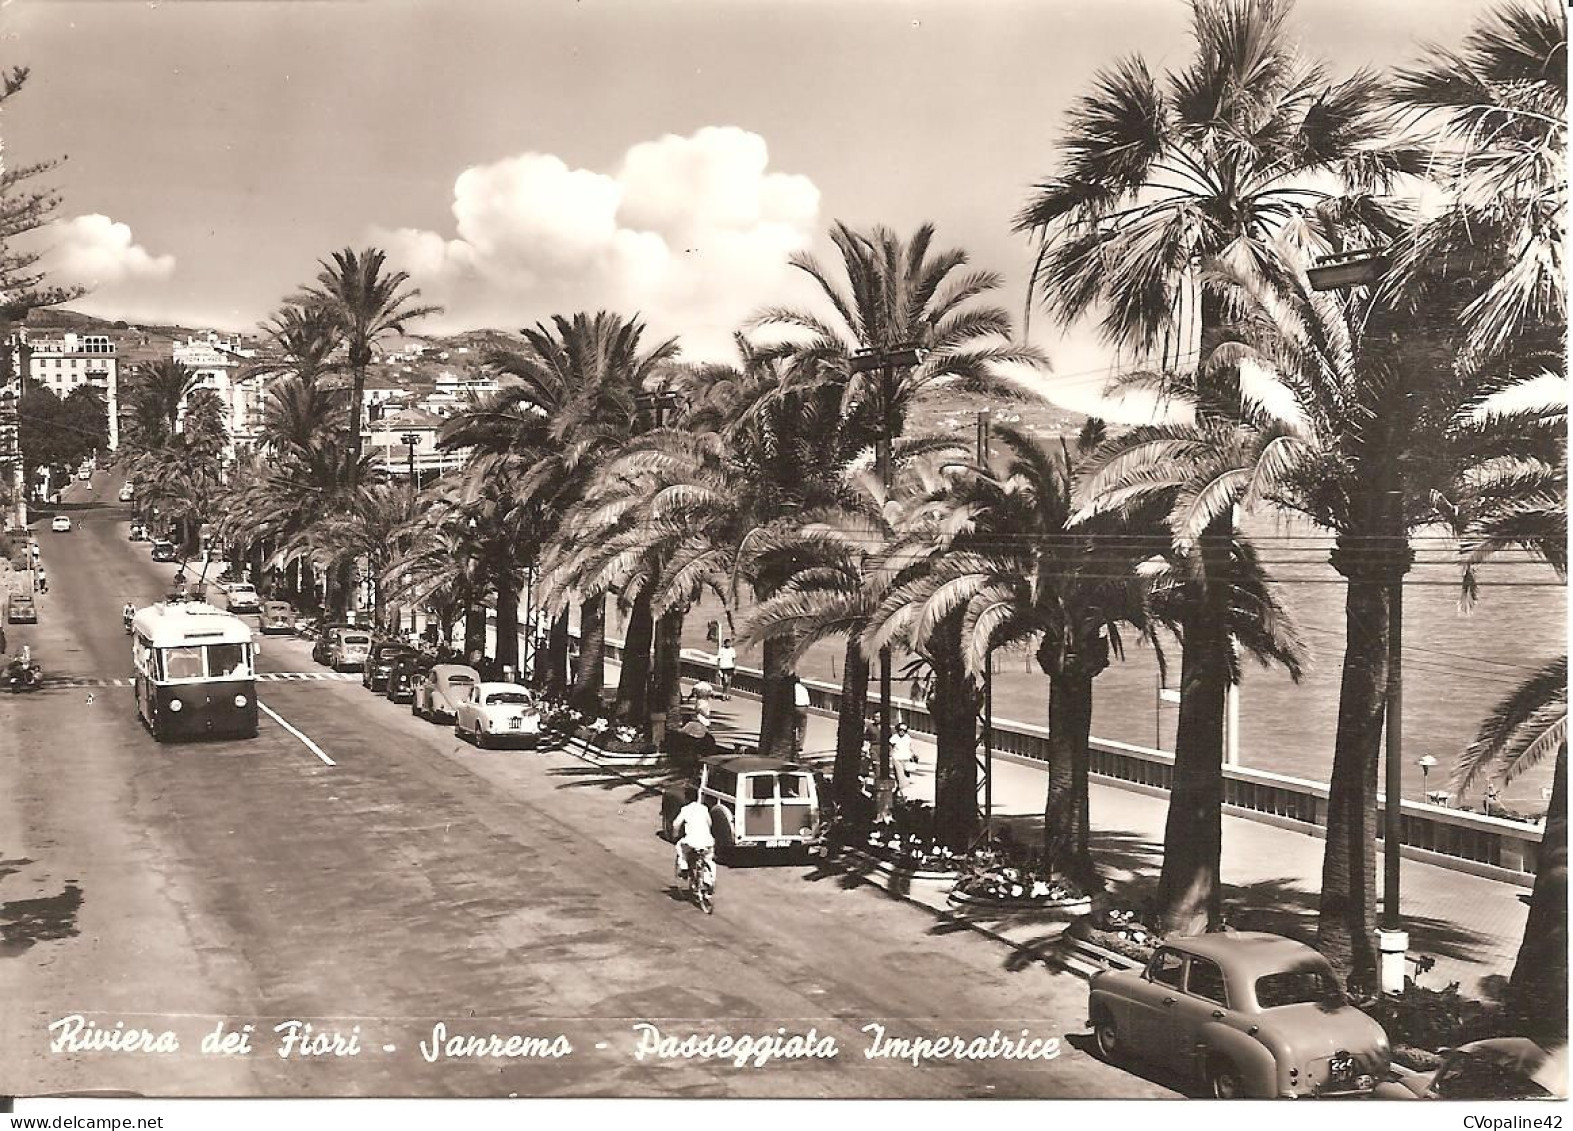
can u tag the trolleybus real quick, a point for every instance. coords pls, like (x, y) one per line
(195, 672)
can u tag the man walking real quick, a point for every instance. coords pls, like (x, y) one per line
(725, 665)
(800, 710)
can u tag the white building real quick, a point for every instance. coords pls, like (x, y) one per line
(454, 390)
(385, 440)
(218, 364)
(73, 360)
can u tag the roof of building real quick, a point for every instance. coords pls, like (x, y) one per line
(411, 418)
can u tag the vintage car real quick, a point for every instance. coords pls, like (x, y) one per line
(127, 493)
(406, 669)
(754, 802)
(322, 647)
(60, 524)
(1499, 1068)
(240, 597)
(439, 692)
(137, 533)
(380, 661)
(276, 617)
(1248, 1014)
(163, 551)
(499, 714)
(348, 649)
(22, 610)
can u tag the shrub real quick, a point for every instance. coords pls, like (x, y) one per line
(1420, 1018)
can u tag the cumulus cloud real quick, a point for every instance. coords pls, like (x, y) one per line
(95, 252)
(691, 233)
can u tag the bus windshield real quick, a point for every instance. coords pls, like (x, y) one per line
(214, 661)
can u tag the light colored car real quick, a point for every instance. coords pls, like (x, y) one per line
(60, 524)
(349, 648)
(240, 597)
(1249, 1014)
(276, 617)
(439, 692)
(1498, 1068)
(499, 714)
(754, 802)
(127, 493)
(22, 610)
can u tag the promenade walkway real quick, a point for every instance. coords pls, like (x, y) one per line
(1471, 926)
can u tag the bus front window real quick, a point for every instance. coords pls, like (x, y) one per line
(228, 661)
(182, 663)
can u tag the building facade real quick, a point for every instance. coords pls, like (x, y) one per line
(219, 364)
(67, 362)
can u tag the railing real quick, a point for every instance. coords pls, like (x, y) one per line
(1452, 838)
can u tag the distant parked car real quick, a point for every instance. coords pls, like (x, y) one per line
(380, 661)
(163, 551)
(440, 691)
(240, 597)
(1247, 1013)
(402, 676)
(276, 617)
(60, 524)
(322, 647)
(127, 493)
(138, 533)
(23, 611)
(349, 648)
(499, 713)
(1501, 1068)
(754, 802)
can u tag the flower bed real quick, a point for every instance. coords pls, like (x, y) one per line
(1118, 930)
(1421, 1021)
(997, 885)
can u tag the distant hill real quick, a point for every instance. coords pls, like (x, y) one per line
(957, 413)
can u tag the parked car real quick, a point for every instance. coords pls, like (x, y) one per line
(127, 493)
(380, 661)
(400, 687)
(349, 649)
(240, 597)
(440, 691)
(60, 524)
(138, 533)
(1500, 1068)
(500, 714)
(1248, 1014)
(276, 617)
(22, 609)
(322, 647)
(754, 802)
(163, 551)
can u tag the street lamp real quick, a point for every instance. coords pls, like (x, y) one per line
(409, 440)
(1425, 762)
(657, 401)
(885, 361)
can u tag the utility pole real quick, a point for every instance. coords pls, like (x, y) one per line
(410, 439)
(984, 419)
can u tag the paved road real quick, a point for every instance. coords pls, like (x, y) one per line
(417, 880)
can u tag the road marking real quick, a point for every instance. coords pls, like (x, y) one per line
(262, 677)
(310, 745)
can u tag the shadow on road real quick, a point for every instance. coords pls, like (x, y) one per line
(24, 922)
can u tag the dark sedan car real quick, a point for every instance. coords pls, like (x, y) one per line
(380, 661)
(400, 686)
(324, 642)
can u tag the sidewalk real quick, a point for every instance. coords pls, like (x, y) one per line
(1471, 926)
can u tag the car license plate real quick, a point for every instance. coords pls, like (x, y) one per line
(780, 842)
(1342, 1067)
(513, 724)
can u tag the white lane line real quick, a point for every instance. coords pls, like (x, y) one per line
(310, 745)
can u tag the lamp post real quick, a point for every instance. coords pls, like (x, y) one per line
(1425, 762)
(1361, 268)
(885, 361)
(984, 421)
(409, 440)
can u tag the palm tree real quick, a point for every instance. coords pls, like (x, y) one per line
(1524, 728)
(158, 393)
(367, 305)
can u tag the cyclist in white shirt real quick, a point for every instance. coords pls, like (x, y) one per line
(695, 840)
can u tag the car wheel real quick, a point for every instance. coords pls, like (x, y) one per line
(1106, 1037)
(1223, 1079)
(480, 738)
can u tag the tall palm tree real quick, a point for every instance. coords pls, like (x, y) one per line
(158, 393)
(368, 305)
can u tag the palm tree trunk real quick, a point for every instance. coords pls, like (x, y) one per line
(474, 630)
(954, 708)
(590, 675)
(846, 782)
(1347, 913)
(633, 679)
(1538, 992)
(777, 716)
(666, 690)
(1066, 849)
(1190, 897)
(554, 665)
(508, 625)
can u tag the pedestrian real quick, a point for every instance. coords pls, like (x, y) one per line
(870, 768)
(800, 708)
(725, 665)
(901, 746)
(3, 649)
(43, 579)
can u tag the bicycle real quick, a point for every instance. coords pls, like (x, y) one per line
(703, 893)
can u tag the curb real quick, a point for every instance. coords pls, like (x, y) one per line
(1081, 904)
(880, 866)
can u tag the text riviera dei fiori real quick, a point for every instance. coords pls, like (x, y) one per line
(296, 1039)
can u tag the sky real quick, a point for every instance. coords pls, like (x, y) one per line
(524, 158)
